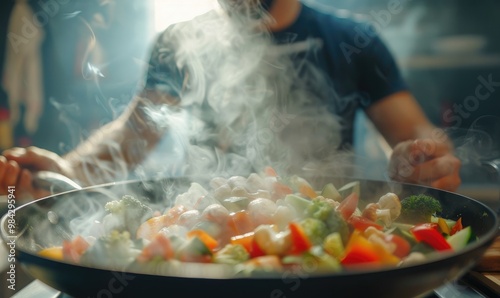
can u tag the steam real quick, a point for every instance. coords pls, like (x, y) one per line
(245, 103)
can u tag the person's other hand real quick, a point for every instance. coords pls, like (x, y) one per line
(427, 162)
(17, 166)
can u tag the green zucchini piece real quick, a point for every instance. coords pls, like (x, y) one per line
(330, 192)
(461, 238)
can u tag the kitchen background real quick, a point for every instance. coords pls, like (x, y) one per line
(91, 56)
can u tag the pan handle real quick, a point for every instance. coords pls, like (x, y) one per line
(50, 181)
(54, 182)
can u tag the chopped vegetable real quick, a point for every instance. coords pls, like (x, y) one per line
(271, 242)
(315, 258)
(443, 226)
(248, 242)
(152, 226)
(298, 203)
(194, 250)
(333, 245)
(301, 186)
(386, 210)
(419, 208)
(389, 208)
(55, 252)
(74, 249)
(330, 192)
(348, 205)
(362, 223)
(334, 221)
(300, 241)
(461, 238)
(315, 229)
(231, 254)
(429, 234)
(126, 214)
(114, 250)
(350, 188)
(457, 227)
(160, 247)
(360, 251)
(209, 242)
(264, 224)
(240, 223)
(403, 246)
(268, 263)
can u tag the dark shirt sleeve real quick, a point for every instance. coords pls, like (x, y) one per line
(164, 74)
(379, 75)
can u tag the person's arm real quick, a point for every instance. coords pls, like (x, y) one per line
(108, 154)
(422, 153)
(112, 151)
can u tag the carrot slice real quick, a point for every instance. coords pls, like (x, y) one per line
(208, 240)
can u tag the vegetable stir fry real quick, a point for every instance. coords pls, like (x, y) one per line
(267, 223)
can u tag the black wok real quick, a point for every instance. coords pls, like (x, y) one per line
(47, 222)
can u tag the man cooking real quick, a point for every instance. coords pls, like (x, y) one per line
(264, 82)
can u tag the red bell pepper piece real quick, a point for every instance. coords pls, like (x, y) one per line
(348, 205)
(300, 242)
(360, 255)
(429, 234)
(361, 223)
(457, 226)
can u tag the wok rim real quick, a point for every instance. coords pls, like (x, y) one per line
(484, 241)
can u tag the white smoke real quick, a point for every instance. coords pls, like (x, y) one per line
(247, 97)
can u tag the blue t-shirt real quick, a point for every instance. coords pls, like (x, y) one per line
(343, 63)
(360, 67)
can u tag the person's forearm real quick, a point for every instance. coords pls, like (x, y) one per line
(399, 118)
(116, 148)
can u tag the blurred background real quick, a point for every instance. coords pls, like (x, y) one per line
(74, 64)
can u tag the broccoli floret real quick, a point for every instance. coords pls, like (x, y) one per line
(231, 254)
(126, 214)
(419, 208)
(325, 212)
(113, 251)
(315, 229)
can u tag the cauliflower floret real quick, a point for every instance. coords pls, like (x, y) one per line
(114, 251)
(126, 214)
(387, 209)
(391, 202)
(271, 242)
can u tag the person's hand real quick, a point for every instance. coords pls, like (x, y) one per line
(427, 162)
(18, 164)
